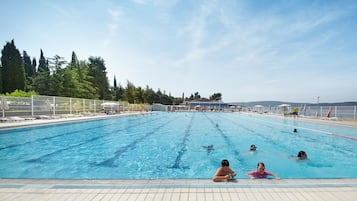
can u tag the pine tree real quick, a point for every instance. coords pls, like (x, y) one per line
(13, 71)
(97, 71)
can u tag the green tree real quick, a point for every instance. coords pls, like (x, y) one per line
(1, 88)
(56, 83)
(43, 64)
(13, 72)
(34, 65)
(118, 91)
(176, 101)
(20, 93)
(129, 92)
(30, 71)
(41, 83)
(29, 68)
(150, 96)
(138, 95)
(86, 87)
(71, 85)
(56, 63)
(97, 71)
(74, 60)
(216, 97)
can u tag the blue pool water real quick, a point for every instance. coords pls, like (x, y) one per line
(171, 145)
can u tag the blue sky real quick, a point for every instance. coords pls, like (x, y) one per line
(249, 50)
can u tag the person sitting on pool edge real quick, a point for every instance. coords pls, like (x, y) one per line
(252, 148)
(224, 173)
(261, 173)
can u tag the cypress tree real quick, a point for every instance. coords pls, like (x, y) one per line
(1, 91)
(34, 65)
(13, 72)
(28, 65)
(42, 78)
(115, 82)
(43, 64)
(74, 60)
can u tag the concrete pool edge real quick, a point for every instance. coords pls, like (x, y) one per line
(175, 183)
(42, 122)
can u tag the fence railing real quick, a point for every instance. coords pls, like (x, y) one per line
(340, 112)
(53, 105)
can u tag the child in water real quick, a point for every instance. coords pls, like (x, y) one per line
(224, 173)
(261, 173)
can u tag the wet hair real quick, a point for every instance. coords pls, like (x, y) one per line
(301, 153)
(295, 130)
(252, 147)
(261, 164)
(225, 162)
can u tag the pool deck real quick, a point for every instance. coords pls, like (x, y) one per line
(175, 189)
(179, 189)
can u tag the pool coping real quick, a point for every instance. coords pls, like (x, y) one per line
(41, 122)
(175, 183)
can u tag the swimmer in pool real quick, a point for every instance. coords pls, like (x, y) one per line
(224, 173)
(208, 148)
(301, 156)
(252, 148)
(261, 173)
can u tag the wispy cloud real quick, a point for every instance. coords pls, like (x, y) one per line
(244, 49)
(113, 24)
(141, 1)
(115, 15)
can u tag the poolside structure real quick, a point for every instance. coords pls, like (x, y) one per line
(207, 106)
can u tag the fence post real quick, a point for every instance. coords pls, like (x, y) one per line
(31, 105)
(3, 106)
(335, 111)
(70, 105)
(94, 105)
(354, 114)
(84, 105)
(54, 106)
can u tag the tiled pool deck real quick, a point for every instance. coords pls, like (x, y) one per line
(178, 189)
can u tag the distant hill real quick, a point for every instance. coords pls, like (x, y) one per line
(276, 103)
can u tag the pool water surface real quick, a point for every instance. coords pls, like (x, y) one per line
(177, 145)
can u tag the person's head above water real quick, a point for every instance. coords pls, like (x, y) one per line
(252, 147)
(261, 167)
(302, 155)
(225, 162)
(295, 130)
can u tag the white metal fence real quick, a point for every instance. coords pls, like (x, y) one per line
(52, 105)
(340, 112)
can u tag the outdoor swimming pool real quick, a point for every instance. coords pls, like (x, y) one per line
(170, 145)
